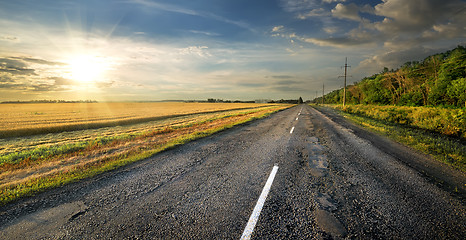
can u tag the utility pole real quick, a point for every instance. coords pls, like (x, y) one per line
(323, 87)
(344, 86)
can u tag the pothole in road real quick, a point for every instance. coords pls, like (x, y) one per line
(330, 223)
(325, 219)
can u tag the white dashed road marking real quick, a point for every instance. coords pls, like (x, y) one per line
(260, 203)
(292, 129)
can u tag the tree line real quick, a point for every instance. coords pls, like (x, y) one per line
(438, 80)
(51, 101)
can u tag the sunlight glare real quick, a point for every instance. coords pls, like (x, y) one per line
(87, 68)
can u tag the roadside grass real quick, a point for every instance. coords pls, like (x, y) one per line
(444, 148)
(27, 173)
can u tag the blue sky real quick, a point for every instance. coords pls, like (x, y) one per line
(125, 50)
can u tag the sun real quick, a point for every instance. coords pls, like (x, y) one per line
(87, 68)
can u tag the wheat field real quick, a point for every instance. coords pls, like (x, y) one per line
(31, 119)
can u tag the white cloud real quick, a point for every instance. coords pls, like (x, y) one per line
(212, 34)
(416, 15)
(350, 11)
(277, 29)
(318, 12)
(340, 42)
(330, 30)
(200, 51)
(406, 25)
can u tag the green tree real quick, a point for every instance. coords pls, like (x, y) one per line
(457, 92)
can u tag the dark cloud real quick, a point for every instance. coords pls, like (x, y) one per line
(13, 86)
(287, 82)
(42, 87)
(15, 67)
(282, 76)
(18, 71)
(59, 81)
(5, 78)
(39, 61)
(286, 89)
(20, 66)
(11, 63)
(253, 85)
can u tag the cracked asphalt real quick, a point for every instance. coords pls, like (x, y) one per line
(335, 181)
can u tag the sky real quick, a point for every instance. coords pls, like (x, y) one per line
(150, 50)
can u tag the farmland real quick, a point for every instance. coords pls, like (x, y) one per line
(29, 119)
(47, 145)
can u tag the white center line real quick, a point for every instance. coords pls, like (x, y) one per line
(258, 208)
(292, 129)
(296, 119)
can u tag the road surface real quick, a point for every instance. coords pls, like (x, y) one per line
(334, 181)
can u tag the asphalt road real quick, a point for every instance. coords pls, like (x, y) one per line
(334, 180)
